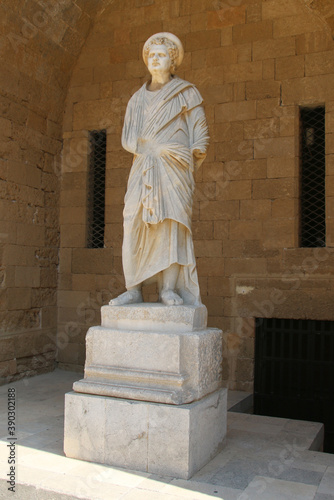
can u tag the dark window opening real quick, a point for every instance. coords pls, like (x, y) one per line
(294, 371)
(312, 157)
(96, 189)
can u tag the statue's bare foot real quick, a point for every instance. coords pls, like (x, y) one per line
(129, 297)
(170, 298)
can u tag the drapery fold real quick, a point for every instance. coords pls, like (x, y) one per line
(162, 129)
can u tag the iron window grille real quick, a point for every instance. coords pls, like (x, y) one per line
(313, 200)
(96, 189)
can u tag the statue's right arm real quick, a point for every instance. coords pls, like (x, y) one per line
(129, 133)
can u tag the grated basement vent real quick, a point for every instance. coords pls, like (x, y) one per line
(294, 371)
(313, 201)
(96, 189)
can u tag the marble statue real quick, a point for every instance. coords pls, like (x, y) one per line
(166, 130)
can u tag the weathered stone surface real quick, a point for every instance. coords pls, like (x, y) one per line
(156, 363)
(154, 317)
(39, 47)
(87, 260)
(149, 437)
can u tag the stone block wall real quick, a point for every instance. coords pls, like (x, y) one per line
(255, 63)
(39, 44)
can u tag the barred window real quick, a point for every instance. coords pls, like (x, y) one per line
(96, 189)
(313, 202)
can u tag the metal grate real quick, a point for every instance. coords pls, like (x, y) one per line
(294, 371)
(96, 189)
(313, 212)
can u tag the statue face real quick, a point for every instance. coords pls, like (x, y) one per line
(158, 60)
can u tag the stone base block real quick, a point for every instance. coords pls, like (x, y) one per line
(149, 437)
(157, 366)
(154, 317)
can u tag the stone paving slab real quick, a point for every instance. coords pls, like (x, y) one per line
(264, 488)
(264, 458)
(326, 486)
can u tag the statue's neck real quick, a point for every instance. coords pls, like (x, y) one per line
(159, 80)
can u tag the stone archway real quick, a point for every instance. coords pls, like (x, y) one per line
(325, 9)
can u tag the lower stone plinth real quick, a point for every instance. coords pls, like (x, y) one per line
(149, 437)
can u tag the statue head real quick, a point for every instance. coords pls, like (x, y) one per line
(171, 43)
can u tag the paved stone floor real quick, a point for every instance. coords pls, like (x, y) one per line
(264, 458)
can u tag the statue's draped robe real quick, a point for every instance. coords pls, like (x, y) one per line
(162, 129)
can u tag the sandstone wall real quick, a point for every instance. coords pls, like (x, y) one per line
(39, 44)
(255, 63)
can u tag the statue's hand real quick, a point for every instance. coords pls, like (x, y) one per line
(199, 154)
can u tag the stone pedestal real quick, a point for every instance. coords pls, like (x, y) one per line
(151, 397)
